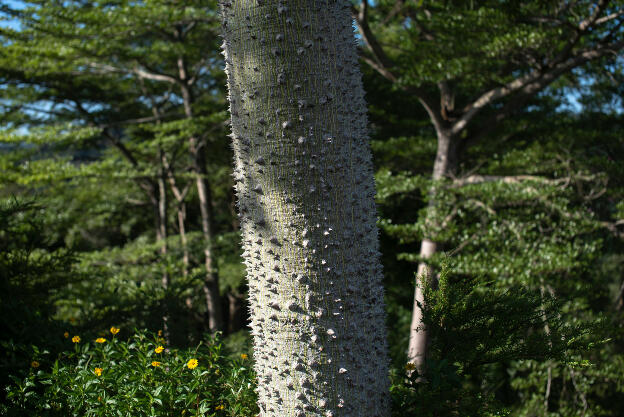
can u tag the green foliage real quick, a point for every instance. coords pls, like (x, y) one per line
(496, 325)
(32, 273)
(576, 388)
(512, 328)
(80, 137)
(96, 129)
(138, 377)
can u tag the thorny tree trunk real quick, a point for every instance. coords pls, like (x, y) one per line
(198, 153)
(418, 341)
(305, 185)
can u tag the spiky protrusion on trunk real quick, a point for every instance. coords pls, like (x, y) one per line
(305, 186)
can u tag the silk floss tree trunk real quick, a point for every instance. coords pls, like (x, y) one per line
(305, 189)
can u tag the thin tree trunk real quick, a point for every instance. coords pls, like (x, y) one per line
(161, 237)
(198, 154)
(211, 282)
(180, 196)
(304, 179)
(162, 219)
(419, 337)
(181, 215)
(236, 318)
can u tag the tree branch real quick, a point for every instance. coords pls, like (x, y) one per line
(585, 24)
(382, 63)
(531, 83)
(109, 69)
(610, 17)
(361, 18)
(513, 179)
(395, 10)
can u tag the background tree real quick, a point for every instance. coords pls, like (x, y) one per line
(484, 62)
(543, 166)
(136, 86)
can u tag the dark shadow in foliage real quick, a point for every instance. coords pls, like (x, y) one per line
(32, 271)
(475, 329)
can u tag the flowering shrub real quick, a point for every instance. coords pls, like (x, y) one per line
(137, 377)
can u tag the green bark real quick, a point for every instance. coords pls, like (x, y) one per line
(305, 186)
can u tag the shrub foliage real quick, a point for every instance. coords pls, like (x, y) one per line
(140, 376)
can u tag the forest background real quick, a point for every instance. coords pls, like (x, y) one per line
(118, 206)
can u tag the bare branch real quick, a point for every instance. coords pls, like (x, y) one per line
(602, 4)
(531, 83)
(608, 18)
(619, 300)
(462, 245)
(179, 195)
(613, 227)
(139, 120)
(395, 10)
(197, 70)
(380, 69)
(382, 63)
(109, 69)
(361, 18)
(154, 76)
(485, 99)
(122, 148)
(514, 179)
(482, 205)
(136, 202)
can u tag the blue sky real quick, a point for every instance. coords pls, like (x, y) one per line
(4, 22)
(572, 95)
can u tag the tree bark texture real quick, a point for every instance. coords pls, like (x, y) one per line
(305, 188)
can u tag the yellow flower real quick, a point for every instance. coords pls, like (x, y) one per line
(66, 335)
(244, 356)
(192, 364)
(34, 364)
(155, 364)
(220, 407)
(159, 349)
(99, 398)
(100, 340)
(76, 339)
(159, 333)
(114, 330)
(97, 371)
(410, 366)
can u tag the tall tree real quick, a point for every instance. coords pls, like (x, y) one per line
(472, 65)
(305, 188)
(101, 65)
